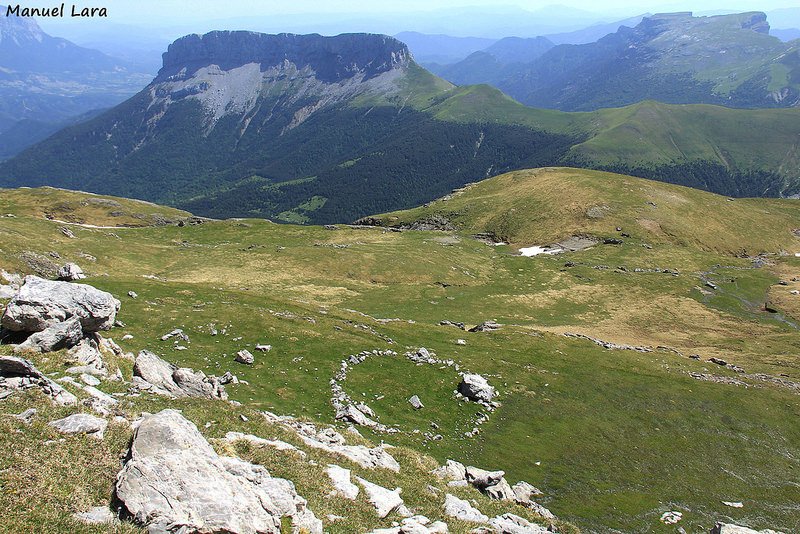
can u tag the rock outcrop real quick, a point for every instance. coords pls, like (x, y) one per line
(18, 373)
(331, 58)
(42, 303)
(461, 509)
(81, 423)
(70, 272)
(154, 374)
(331, 441)
(384, 500)
(476, 388)
(55, 337)
(172, 478)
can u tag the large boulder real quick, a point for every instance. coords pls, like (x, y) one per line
(42, 303)
(174, 479)
(476, 388)
(69, 272)
(384, 500)
(152, 373)
(55, 337)
(461, 509)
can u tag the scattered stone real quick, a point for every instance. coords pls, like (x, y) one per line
(245, 356)
(152, 373)
(58, 336)
(26, 416)
(461, 341)
(541, 510)
(67, 232)
(87, 353)
(486, 326)
(96, 515)
(670, 518)
(458, 325)
(476, 388)
(261, 442)
(451, 470)
(416, 403)
(174, 479)
(331, 441)
(340, 478)
(729, 528)
(384, 500)
(106, 400)
(90, 380)
(70, 272)
(463, 510)
(18, 373)
(352, 414)
(41, 303)
(132, 294)
(81, 423)
(523, 493)
(733, 504)
(514, 524)
(176, 332)
(264, 348)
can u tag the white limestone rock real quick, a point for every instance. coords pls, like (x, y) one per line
(41, 303)
(174, 479)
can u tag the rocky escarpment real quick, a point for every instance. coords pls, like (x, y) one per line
(233, 72)
(331, 58)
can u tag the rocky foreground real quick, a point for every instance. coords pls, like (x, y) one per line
(174, 480)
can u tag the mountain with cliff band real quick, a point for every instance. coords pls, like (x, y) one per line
(312, 129)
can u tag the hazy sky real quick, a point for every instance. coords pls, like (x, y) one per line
(182, 11)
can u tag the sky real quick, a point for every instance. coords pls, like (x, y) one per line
(182, 11)
(136, 27)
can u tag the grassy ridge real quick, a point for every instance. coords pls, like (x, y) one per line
(542, 206)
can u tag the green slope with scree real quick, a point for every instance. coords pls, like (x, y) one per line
(614, 438)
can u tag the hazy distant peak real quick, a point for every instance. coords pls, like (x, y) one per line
(19, 29)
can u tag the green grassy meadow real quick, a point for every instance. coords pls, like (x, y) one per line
(614, 438)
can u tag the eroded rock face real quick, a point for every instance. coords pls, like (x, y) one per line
(152, 373)
(173, 479)
(42, 303)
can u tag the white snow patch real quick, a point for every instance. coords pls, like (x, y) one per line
(536, 250)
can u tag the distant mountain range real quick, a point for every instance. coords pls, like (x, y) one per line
(45, 81)
(305, 128)
(675, 58)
